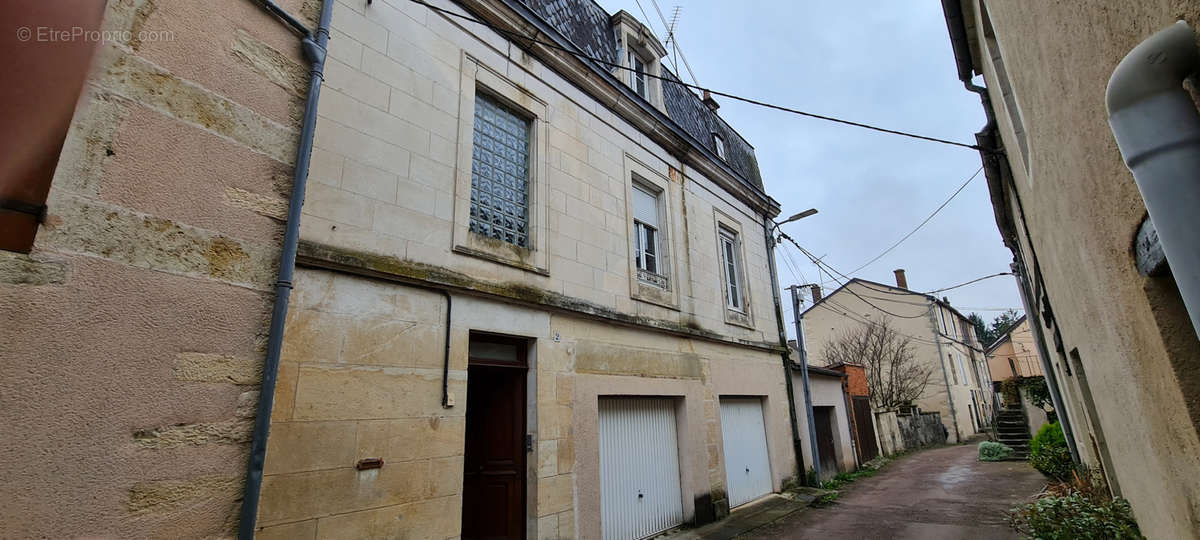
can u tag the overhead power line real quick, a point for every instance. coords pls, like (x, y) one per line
(578, 54)
(919, 225)
(970, 282)
(818, 262)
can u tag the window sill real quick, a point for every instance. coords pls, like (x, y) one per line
(737, 318)
(652, 294)
(500, 252)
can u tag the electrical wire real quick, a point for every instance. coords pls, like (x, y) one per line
(578, 54)
(922, 224)
(970, 282)
(849, 290)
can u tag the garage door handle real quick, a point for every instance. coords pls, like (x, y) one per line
(747, 469)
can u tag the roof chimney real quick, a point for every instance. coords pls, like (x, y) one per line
(710, 102)
(816, 292)
(901, 281)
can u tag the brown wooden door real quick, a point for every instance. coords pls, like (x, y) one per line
(494, 465)
(865, 430)
(823, 419)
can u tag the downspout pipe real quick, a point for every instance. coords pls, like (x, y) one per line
(797, 449)
(1035, 323)
(1157, 129)
(313, 46)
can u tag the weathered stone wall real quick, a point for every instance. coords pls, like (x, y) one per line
(361, 378)
(921, 430)
(1129, 353)
(133, 333)
(904, 432)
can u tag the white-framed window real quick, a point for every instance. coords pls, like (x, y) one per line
(953, 372)
(637, 78)
(500, 172)
(647, 241)
(954, 325)
(731, 267)
(719, 143)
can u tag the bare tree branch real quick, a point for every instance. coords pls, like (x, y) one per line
(894, 376)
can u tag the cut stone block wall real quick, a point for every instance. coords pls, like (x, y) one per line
(134, 332)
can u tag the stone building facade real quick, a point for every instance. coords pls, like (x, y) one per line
(514, 261)
(941, 338)
(488, 222)
(133, 332)
(1120, 344)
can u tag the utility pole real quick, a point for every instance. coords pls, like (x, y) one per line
(808, 408)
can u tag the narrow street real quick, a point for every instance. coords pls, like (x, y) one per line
(941, 493)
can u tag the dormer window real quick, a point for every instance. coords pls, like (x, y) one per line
(719, 143)
(640, 54)
(638, 76)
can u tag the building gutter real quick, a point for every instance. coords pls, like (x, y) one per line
(1039, 339)
(1157, 129)
(797, 448)
(313, 45)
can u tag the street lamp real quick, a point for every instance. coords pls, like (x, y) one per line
(795, 217)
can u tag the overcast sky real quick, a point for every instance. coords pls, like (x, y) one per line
(882, 63)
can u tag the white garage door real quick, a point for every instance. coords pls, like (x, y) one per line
(639, 467)
(747, 470)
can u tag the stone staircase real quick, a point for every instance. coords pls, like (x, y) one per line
(1013, 430)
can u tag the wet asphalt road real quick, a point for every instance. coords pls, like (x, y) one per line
(935, 494)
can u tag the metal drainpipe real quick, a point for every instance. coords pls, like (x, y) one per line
(787, 371)
(1035, 323)
(937, 338)
(313, 46)
(1157, 129)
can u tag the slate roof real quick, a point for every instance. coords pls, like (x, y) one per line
(587, 25)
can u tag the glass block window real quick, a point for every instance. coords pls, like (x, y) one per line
(500, 172)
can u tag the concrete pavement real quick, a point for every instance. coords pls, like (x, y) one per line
(940, 493)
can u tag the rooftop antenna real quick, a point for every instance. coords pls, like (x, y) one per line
(671, 37)
(674, 21)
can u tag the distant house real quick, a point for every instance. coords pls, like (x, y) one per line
(1014, 354)
(941, 337)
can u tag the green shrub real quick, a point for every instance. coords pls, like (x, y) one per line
(1049, 454)
(994, 451)
(1076, 517)
(1049, 434)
